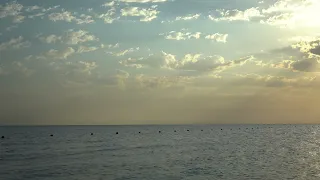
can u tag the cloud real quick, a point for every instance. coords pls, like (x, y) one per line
(41, 15)
(301, 56)
(72, 37)
(108, 17)
(189, 62)
(68, 17)
(57, 54)
(144, 14)
(85, 19)
(15, 43)
(64, 16)
(10, 9)
(218, 37)
(84, 49)
(124, 52)
(283, 13)
(51, 39)
(188, 17)
(109, 4)
(80, 68)
(142, 1)
(78, 37)
(32, 8)
(18, 19)
(173, 35)
(236, 15)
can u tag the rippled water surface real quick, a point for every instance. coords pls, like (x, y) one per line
(204, 152)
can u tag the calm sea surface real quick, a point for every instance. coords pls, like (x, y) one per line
(232, 152)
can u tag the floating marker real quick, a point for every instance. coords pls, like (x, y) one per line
(175, 131)
(2, 137)
(51, 135)
(201, 130)
(139, 132)
(221, 129)
(117, 133)
(91, 134)
(159, 131)
(187, 129)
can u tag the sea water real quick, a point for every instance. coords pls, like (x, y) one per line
(168, 152)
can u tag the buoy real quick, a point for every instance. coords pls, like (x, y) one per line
(201, 130)
(187, 129)
(139, 132)
(117, 133)
(175, 131)
(159, 131)
(51, 134)
(2, 137)
(91, 134)
(221, 129)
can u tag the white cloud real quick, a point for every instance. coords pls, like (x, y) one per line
(84, 49)
(64, 16)
(111, 46)
(10, 9)
(80, 67)
(236, 15)
(77, 37)
(142, 1)
(71, 37)
(56, 54)
(283, 13)
(36, 15)
(32, 8)
(15, 43)
(68, 17)
(188, 64)
(124, 52)
(18, 19)
(218, 37)
(188, 17)
(173, 35)
(51, 39)
(108, 17)
(84, 19)
(144, 14)
(109, 4)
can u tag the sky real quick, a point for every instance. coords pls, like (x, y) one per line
(159, 62)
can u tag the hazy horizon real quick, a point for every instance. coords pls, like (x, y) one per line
(159, 62)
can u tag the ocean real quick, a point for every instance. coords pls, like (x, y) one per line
(168, 152)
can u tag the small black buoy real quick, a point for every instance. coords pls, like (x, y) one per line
(187, 129)
(159, 131)
(201, 130)
(117, 133)
(221, 129)
(139, 132)
(91, 134)
(2, 137)
(51, 135)
(175, 131)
